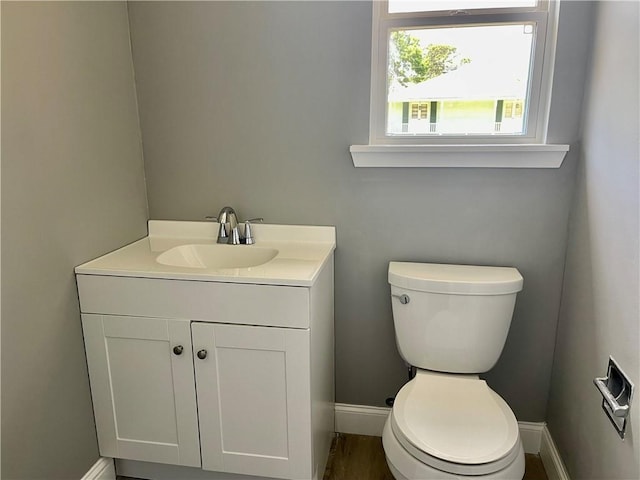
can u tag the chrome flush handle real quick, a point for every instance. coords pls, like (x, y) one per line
(404, 298)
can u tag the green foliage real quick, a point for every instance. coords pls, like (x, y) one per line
(409, 62)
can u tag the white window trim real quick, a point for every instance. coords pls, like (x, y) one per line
(460, 156)
(510, 152)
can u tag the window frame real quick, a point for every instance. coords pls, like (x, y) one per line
(537, 114)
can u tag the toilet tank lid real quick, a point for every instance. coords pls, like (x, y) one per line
(455, 279)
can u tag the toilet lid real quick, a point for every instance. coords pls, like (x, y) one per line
(455, 418)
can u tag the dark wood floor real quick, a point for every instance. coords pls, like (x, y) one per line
(359, 457)
(356, 457)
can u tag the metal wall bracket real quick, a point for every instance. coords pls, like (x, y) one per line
(617, 392)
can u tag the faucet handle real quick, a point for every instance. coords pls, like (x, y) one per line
(211, 218)
(248, 236)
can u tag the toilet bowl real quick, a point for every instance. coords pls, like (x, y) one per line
(403, 466)
(452, 426)
(451, 323)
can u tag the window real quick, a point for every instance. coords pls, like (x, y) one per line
(419, 111)
(461, 72)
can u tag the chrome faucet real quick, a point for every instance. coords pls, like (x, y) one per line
(231, 236)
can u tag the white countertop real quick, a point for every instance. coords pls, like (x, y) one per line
(302, 251)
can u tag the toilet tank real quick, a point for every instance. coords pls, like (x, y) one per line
(452, 318)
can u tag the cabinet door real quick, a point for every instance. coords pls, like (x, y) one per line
(143, 392)
(254, 399)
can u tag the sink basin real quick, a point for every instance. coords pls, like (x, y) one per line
(216, 256)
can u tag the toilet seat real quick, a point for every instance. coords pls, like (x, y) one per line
(404, 466)
(455, 423)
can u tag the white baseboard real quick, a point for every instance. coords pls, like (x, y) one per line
(363, 420)
(103, 469)
(553, 464)
(360, 419)
(531, 435)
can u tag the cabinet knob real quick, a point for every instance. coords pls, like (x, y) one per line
(178, 349)
(202, 354)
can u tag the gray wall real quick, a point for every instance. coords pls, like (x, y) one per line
(600, 314)
(255, 105)
(72, 189)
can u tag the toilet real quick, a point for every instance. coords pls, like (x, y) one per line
(451, 323)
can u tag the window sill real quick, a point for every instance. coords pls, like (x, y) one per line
(459, 156)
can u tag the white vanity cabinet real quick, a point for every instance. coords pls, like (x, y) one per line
(254, 399)
(190, 376)
(144, 397)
